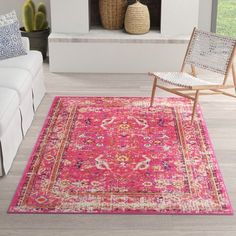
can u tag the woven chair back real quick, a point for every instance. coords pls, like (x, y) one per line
(210, 51)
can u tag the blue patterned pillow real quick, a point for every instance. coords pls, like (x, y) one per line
(11, 44)
(8, 18)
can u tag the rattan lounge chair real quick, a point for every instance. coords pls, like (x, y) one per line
(207, 51)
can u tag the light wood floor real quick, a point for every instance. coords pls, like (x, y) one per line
(220, 116)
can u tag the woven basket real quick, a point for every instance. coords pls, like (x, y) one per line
(137, 19)
(112, 13)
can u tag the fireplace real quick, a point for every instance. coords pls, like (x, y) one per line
(154, 7)
(79, 43)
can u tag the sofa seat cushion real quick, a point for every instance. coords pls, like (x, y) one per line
(9, 103)
(16, 79)
(31, 62)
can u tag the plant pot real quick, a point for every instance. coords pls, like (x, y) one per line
(38, 40)
(112, 13)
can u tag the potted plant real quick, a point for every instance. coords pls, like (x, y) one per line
(35, 26)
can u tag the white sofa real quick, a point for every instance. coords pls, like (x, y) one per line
(21, 91)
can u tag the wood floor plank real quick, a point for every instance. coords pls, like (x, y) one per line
(114, 233)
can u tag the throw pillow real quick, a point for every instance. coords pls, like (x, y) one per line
(8, 18)
(11, 44)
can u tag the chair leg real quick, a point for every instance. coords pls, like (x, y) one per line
(153, 91)
(234, 76)
(193, 68)
(195, 105)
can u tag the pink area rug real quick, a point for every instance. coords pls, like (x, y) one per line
(118, 156)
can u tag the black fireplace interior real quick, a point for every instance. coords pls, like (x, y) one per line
(154, 7)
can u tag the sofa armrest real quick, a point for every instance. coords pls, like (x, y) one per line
(26, 43)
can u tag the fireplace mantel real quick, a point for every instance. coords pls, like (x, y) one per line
(75, 44)
(177, 17)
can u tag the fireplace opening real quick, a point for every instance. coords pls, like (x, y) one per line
(94, 13)
(154, 7)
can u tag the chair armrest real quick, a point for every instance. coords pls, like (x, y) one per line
(26, 43)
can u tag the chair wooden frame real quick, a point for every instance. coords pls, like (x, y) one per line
(193, 92)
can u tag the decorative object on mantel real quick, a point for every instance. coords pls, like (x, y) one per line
(35, 26)
(137, 19)
(112, 13)
(118, 155)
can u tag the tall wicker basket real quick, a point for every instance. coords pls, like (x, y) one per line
(112, 13)
(137, 19)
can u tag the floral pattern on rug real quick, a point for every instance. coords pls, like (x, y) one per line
(118, 155)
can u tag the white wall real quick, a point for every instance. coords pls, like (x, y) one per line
(205, 10)
(179, 16)
(76, 17)
(8, 5)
